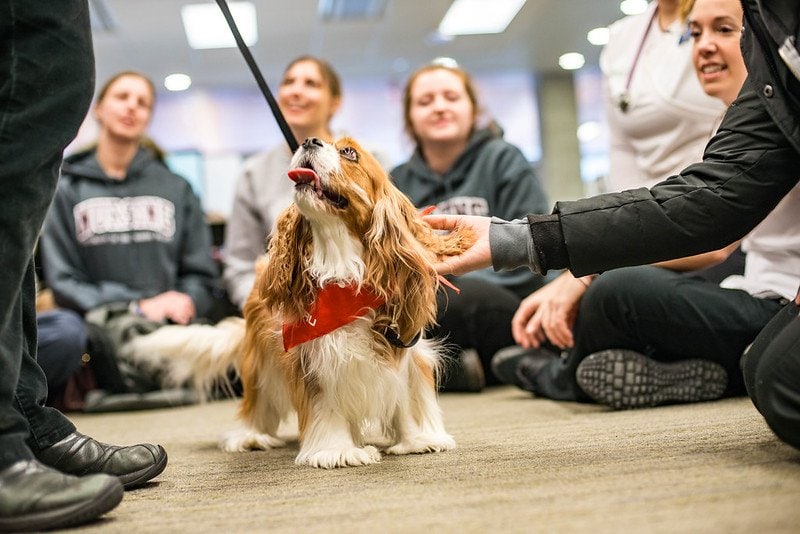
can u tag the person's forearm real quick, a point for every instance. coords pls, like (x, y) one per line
(544, 244)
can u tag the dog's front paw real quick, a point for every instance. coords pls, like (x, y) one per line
(422, 443)
(330, 458)
(242, 439)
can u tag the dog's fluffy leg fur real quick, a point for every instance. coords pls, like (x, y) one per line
(344, 387)
(418, 424)
(266, 399)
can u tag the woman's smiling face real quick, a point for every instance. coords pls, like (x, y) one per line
(716, 28)
(440, 108)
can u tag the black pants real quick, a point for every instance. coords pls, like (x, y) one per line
(46, 84)
(479, 317)
(665, 316)
(772, 374)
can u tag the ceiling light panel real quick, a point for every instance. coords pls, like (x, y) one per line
(329, 10)
(205, 26)
(471, 17)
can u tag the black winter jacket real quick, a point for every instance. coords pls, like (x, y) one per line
(748, 166)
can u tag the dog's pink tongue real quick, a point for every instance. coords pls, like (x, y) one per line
(303, 175)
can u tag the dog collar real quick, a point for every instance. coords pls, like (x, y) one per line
(335, 307)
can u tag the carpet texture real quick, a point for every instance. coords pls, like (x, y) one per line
(522, 465)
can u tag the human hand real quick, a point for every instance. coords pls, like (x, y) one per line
(170, 305)
(478, 256)
(549, 313)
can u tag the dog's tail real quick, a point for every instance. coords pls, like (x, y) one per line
(199, 355)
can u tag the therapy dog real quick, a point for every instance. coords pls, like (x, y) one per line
(333, 329)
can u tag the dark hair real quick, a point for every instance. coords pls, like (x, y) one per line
(325, 69)
(449, 66)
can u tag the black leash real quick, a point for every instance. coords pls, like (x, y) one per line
(248, 57)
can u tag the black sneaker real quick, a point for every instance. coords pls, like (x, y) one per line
(626, 379)
(517, 365)
(463, 373)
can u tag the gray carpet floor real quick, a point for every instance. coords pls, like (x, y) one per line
(522, 465)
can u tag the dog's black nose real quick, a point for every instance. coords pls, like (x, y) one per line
(312, 142)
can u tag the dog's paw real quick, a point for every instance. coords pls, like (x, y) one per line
(422, 443)
(331, 458)
(241, 440)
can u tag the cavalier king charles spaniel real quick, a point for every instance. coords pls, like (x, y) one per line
(334, 328)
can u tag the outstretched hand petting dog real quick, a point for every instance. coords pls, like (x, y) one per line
(478, 256)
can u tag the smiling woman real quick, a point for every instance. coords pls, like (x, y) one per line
(715, 27)
(309, 96)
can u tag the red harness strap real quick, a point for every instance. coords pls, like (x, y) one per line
(335, 307)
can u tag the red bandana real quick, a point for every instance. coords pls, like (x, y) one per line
(335, 307)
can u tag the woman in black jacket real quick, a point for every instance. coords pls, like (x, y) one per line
(747, 168)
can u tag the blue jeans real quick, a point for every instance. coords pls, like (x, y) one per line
(664, 315)
(46, 84)
(62, 342)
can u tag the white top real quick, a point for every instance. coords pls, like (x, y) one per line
(669, 118)
(772, 265)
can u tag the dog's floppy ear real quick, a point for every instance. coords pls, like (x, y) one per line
(398, 267)
(285, 287)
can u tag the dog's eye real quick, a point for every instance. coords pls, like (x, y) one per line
(349, 153)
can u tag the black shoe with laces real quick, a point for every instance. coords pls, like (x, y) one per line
(626, 379)
(81, 455)
(519, 366)
(34, 496)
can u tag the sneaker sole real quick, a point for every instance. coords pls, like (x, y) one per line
(137, 478)
(625, 379)
(69, 516)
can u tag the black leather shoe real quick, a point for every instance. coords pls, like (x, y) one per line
(36, 497)
(519, 366)
(81, 455)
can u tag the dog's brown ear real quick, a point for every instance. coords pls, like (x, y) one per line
(398, 267)
(284, 288)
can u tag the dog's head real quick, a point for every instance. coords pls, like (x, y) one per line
(350, 224)
(339, 180)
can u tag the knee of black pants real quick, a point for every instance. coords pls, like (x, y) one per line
(772, 374)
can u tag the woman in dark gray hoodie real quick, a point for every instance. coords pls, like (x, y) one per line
(124, 231)
(463, 169)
